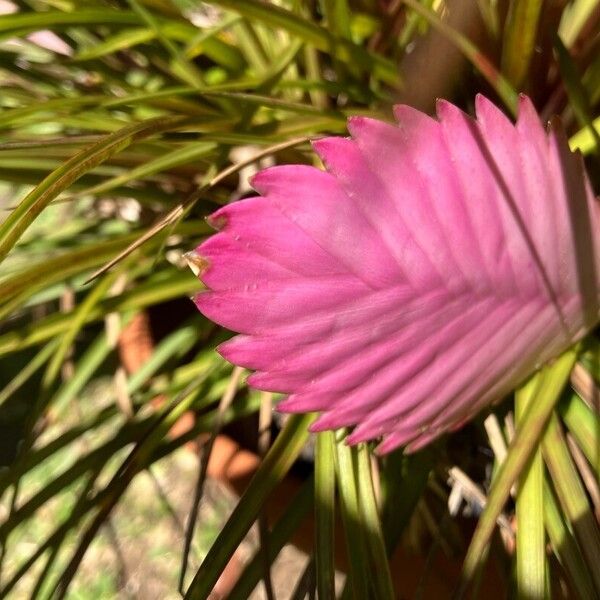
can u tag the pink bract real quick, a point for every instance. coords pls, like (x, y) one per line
(428, 271)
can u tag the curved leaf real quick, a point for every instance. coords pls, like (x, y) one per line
(60, 179)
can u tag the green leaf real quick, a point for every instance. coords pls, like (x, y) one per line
(584, 425)
(354, 534)
(184, 69)
(337, 16)
(123, 40)
(178, 343)
(488, 9)
(21, 23)
(153, 291)
(325, 514)
(88, 503)
(38, 111)
(36, 456)
(78, 320)
(520, 33)
(180, 156)
(60, 179)
(403, 482)
(274, 467)
(531, 541)
(221, 52)
(55, 540)
(78, 260)
(24, 374)
(370, 520)
(552, 381)
(282, 533)
(271, 102)
(577, 93)
(565, 546)
(321, 38)
(95, 459)
(591, 80)
(137, 459)
(572, 495)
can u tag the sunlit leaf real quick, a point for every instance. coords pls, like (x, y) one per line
(531, 539)
(547, 391)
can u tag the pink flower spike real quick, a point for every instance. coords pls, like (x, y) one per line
(426, 273)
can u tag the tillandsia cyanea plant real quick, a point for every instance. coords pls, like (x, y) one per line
(396, 287)
(426, 273)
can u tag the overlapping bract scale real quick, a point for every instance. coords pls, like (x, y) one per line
(425, 273)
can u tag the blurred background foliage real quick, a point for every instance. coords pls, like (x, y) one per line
(122, 125)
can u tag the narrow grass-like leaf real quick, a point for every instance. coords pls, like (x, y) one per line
(73, 140)
(577, 93)
(55, 540)
(321, 38)
(24, 374)
(489, 14)
(306, 585)
(78, 260)
(222, 53)
(520, 33)
(337, 15)
(572, 495)
(325, 514)
(565, 546)
(36, 456)
(123, 40)
(165, 448)
(224, 403)
(354, 534)
(178, 343)
(180, 156)
(270, 102)
(86, 367)
(77, 321)
(151, 292)
(195, 44)
(575, 16)
(591, 80)
(313, 70)
(94, 459)
(531, 543)
(553, 379)
(207, 359)
(25, 22)
(584, 425)
(38, 111)
(370, 520)
(133, 464)
(250, 46)
(21, 24)
(282, 532)
(182, 68)
(276, 464)
(60, 179)
(403, 482)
